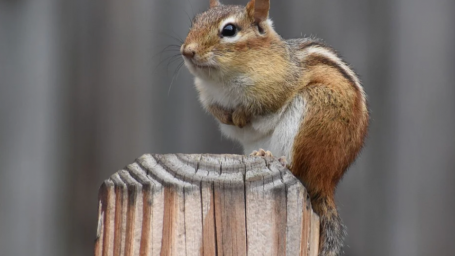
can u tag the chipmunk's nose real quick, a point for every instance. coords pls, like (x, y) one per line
(188, 50)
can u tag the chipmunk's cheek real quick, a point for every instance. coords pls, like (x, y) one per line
(224, 59)
(219, 59)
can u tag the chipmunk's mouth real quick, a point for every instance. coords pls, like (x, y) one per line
(194, 63)
(201, 66)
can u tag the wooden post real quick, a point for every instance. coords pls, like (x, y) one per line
(205, 205)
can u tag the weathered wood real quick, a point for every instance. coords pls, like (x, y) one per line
(205, 205)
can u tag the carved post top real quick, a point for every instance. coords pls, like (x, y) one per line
(188, 170)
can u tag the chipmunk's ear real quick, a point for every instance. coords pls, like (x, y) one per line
(214, 3)
(258, 10)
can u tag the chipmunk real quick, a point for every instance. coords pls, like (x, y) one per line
(295, 98)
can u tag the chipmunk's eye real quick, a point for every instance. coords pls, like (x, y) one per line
(229, 30)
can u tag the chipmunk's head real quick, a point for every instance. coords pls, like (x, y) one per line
(227, 41)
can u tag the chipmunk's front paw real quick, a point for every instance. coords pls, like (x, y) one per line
(262, 152)
(240, 118)
(225, 118)
(223, 115)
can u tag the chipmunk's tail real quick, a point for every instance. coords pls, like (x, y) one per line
(332, 229)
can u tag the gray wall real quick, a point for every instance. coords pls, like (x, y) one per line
(85, 88)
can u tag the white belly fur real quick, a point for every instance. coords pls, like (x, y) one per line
(275, 132)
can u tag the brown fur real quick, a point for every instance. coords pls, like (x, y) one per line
(238, 117)
(214, 3)
(223, 115)
(331, 135)
(335, 123)
(333, 129)
(259, 10)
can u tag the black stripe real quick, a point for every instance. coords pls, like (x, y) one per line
(311, 43)
(315, 60)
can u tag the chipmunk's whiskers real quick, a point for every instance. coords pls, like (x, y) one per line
(176, 74)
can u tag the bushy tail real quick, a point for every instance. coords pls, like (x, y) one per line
(332, 229)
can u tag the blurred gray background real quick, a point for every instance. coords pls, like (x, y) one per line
(87, 86)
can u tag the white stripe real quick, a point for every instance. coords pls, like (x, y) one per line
(318, 50)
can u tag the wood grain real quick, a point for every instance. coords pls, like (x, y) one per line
(181, 204)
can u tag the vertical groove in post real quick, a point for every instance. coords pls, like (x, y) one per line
(100, 231)
(209, 237)
(294, 216)
(134, 213)
(314, 234)
(306, 226)
(280, 213)
(130, 221)
(218, 223)
(118, 220)
(168, 222)
(109, 219)
(146, 220)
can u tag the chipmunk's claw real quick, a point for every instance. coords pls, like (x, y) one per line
(262, 152)
(283, 161)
